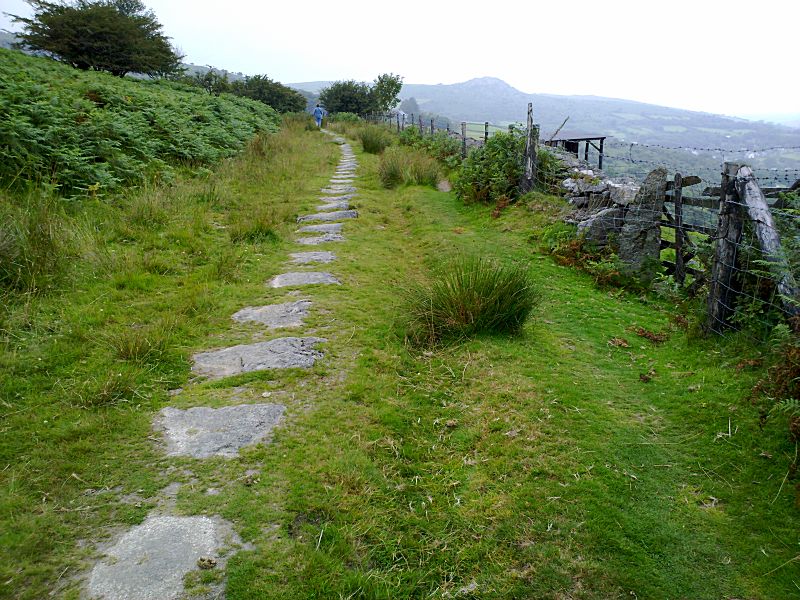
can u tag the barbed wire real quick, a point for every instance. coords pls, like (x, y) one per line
(702, 149)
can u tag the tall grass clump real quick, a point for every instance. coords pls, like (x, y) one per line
(374, 139)
(469, 296)
(402, 165)
(34, 242)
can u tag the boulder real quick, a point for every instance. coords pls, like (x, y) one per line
(640, 238)
(622, 194)
(599, 226)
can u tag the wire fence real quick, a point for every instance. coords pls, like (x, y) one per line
(730, 232)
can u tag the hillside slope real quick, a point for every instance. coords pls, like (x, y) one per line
(76, 129)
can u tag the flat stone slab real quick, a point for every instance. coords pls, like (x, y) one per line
(150, 561)
(322, 228)
(338, 205)
(304, 258)
(282, 353)
(303, 278)
(338, 189)
(342, 180)
(337, 198)
(202, 432)
(336, 215)
(274, 316)
(320, 239)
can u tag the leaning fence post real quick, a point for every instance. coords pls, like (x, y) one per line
(463, 139)
(729, 234)
(529, 158)
(755, 204)
(677, 191)
(485, 131)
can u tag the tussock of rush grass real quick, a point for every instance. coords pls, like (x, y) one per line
(469, 296)
(406, 166)
(374, 139)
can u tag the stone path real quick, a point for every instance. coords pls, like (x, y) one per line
(150, 561)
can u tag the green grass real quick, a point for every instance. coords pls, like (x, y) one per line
(557, 463)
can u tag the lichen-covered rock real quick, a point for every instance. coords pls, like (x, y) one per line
(622, 194)
(597, 228)
(640, 238)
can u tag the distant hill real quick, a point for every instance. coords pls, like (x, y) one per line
(310, 86)
(493, 100)
(7, 39)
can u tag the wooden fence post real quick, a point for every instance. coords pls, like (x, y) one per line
(729, 234)
(421, 130)
(600, 160)
(463, 139)
(432, 127)
(486, 132)
(677, 190)
(529, 158)
(404, 122)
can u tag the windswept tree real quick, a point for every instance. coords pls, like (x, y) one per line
(118, 36)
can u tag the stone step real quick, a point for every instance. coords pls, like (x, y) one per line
(304, 258)
(320, 239)
(338, 205)
(329, 216)
(337, 197)
(303, 278)
(202, 432)
(274, 316)
(150, 560)
(338, 189)
(322, 228)
(281, 353)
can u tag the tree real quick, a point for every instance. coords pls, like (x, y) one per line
(385, 90)
(278, 96)
(118, 36)
(347, 96)
(410, 106)
(361, 98)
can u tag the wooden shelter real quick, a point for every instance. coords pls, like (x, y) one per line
(572, 143)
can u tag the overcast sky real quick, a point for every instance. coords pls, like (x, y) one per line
(731, 57)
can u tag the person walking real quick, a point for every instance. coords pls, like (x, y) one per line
(318, 114)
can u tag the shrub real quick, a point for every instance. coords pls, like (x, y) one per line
(492, 170)
(407, 166)
(345, 117)
(375, 139)
(469, 296)
(442, 147)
